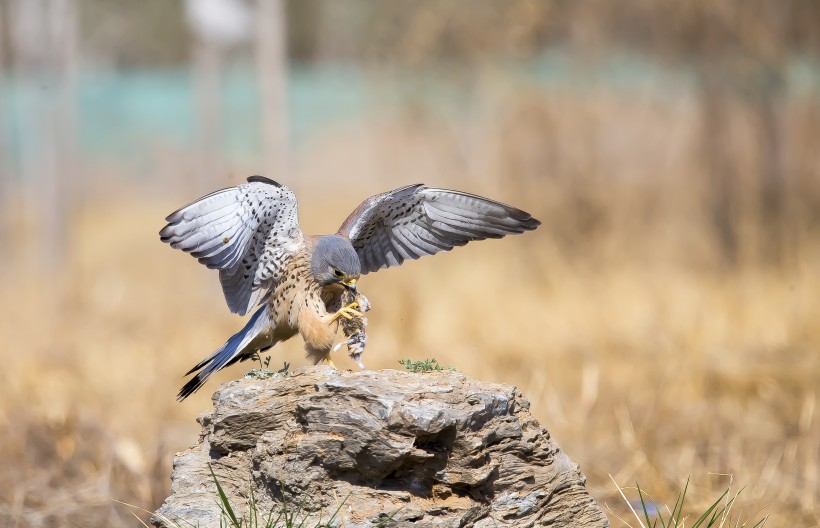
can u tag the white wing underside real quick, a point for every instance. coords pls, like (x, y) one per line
(247, 232)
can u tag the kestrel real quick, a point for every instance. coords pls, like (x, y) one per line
(251, 234)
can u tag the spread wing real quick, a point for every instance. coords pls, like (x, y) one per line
(413, 221)
(247, 232)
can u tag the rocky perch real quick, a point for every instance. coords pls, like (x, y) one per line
(392, 448)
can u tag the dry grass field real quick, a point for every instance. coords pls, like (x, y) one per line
(646, 355)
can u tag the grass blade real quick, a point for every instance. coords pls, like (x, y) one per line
(640, 522)
(225, 505)
(338, 508)
(718, 515)
(679, 503)
(643, 507)
(713, 511)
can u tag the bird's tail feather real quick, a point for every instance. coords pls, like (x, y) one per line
(255, 336)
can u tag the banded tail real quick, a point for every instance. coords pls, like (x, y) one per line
(256, 336)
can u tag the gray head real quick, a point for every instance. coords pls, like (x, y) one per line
(335, 262)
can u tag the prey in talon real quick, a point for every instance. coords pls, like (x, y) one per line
(294, 283)
(354, 328)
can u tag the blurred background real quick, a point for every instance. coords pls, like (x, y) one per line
(664, 320)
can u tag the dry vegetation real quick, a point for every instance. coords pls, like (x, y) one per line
(646, 355)
(664, 320)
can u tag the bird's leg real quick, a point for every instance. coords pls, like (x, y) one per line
(330, 362)
(348, 312)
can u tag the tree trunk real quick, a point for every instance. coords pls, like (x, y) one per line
(271, 62)
(773, 183)
(37, 85)
(207, 79)
(718, 167)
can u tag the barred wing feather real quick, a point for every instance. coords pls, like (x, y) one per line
(414, 221)
(247, 232)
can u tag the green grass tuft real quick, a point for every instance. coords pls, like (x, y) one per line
(287, 515)
(263, 372)
(427, 365)
(717, 515)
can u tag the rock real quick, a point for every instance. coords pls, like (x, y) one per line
(391, 448)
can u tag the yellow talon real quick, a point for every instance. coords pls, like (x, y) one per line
(348, 312)
(330, 362)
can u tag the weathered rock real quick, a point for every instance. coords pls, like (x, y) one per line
(393, 448)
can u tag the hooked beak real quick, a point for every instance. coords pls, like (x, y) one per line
(350, 284)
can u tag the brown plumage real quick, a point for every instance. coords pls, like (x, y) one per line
(250, 233)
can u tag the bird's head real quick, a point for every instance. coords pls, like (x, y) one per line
(335, 262)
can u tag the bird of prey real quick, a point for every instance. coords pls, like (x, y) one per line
(250, 233)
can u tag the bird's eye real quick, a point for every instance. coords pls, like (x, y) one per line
(337, 272)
